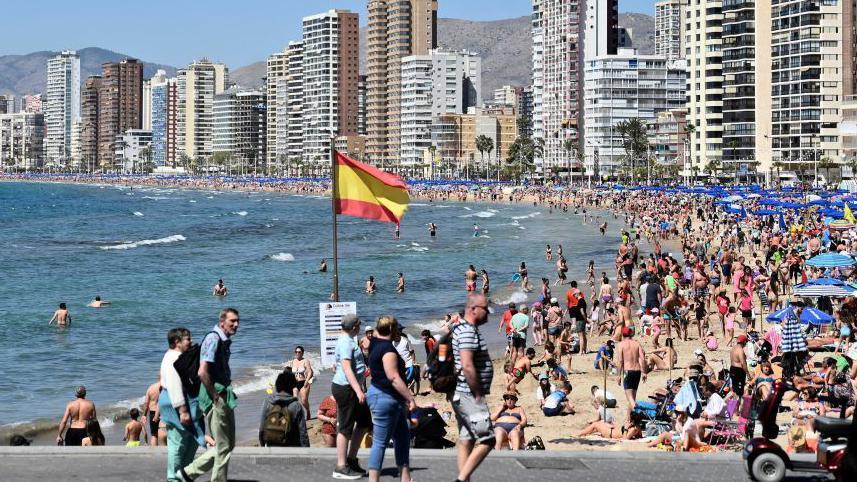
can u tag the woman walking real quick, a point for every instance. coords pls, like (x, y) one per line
(389, 399)
(302, 369)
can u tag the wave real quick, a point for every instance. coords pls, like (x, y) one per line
(418, 204)
(240, 213)
(192, 201)
(480, 214)
(146, 242)
(137, 213)
(528, 216)
(516, 297)
(155, 198)
(282, 257)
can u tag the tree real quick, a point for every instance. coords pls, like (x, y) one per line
(484, 144)
(635, 140)
(568, 145)
(522, 155)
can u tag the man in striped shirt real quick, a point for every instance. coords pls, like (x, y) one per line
(475, 372)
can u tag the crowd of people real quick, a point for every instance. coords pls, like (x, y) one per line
(635, 320)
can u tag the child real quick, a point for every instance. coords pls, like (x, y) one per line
(711, 341)
(565, 341)
(133, 429)
(722, 303)
(746, 306)
(657, 326)
(729, 328)
(700, 314)
(595, 317)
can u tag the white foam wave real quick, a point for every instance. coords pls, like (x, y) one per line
(418, 204)
(137, 213)
(283, 257)
(528, 216)
(418, 249)
(516, 297)
(146, 242)
(155, 198)
(192, 200)
(480, 214)
(467, 208)
(240, 213)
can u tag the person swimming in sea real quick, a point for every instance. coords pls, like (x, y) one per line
(98, 303)
(220, 289)
(322, 268)
(475, 230)
(61, 316)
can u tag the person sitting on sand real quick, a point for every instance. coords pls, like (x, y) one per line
(509, 422)
(684, 436)
(133, 429)
(220, 289)
(557, 402)
(98, 303)
(604, 356)
(662, 358)
(544, 389)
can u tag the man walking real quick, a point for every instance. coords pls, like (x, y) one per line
(150, 411)
(216, 399)
(475, 372)
(178, 409)
(352, 413)
(630, 359)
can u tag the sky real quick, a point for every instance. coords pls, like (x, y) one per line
(175, 32)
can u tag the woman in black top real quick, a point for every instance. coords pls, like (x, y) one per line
(389, 399)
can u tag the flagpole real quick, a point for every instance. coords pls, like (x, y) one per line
(333, 207)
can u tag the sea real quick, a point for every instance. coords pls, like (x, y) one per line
(155, 254)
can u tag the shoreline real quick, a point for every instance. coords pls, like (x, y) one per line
(43, 430)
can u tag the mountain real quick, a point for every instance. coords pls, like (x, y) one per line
(27, 74)
(505, 47)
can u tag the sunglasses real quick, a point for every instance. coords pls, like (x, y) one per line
(511, 398)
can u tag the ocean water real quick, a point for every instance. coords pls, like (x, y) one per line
(156, 253)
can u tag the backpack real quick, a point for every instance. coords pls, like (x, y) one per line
(278, 425)
(442, 375)
(187, 367)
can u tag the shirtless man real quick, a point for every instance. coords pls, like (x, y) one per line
(61, 316)
(400, 283)
(432, 229)
(322, 268)
(151, 412)
(371, 288)
(630, 359)
(522, 366)
(220, 289)
(98, 303)
(738, 365)
(470, 278)
(77, 413)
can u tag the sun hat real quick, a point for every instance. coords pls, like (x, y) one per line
(369, 328)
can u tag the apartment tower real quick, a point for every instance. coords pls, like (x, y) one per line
(330, 74)
(196, 87)
(89, 106)
(703, 51)
(62, 104)
(120, 105)
(397, 29)
(669, 22)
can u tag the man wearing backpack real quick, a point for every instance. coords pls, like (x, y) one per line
(475, 372)
(283, 423)
(216, 399)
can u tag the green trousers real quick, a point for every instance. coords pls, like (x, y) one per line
(181, 447)
(221, 425)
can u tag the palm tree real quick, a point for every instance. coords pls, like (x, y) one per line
(522, 155)
(484, 144)
(635, 140)
(568, 145)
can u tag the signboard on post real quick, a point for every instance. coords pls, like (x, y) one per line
(330, 317)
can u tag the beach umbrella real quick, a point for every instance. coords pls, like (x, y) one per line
(765, 212)
(733, 198)
(831, 260)
(841, 224)
(824, 287)
(808, 315)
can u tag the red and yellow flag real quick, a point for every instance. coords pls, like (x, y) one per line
(367, 192)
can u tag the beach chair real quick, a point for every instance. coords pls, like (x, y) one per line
(727, 433)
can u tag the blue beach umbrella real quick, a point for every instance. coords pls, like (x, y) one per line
(824, 287)
(765, 212)
(831, 260)
(809, 315)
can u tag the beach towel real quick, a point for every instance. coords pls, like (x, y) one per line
(688, 398)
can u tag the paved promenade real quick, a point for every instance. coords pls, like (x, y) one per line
(310, 465)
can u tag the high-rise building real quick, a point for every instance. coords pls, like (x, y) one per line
(196, 87)
(362, 100)
(133, 151)
(668, 137)
(622, 87)
(293, 105)
(32, 104)
(276, 72)
(438, 83)
(602, 25)
(7, 104)
(89, 106)
(120, 105)
(159, 114)
(147, 104)
(239, 125)
(454, 137)
(813, 68)
(62, 104)
(558, 33)
(330, 69)
(397, 29)
(703, 44)
(21, 140)
(669, 21)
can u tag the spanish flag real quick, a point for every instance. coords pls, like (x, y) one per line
(367, 192)
(849, 216)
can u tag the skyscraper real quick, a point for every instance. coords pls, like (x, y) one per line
(239, 125)
(159, 113)
(330, 70)
(276, 72)
(197, 86)
(283, 94)
(669, 20)
(703, 50)
(558, 43)
(89, 122)
(602, 25)
(62, 104)
(120, 104)
(397, 28)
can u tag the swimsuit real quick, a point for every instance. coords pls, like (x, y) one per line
(153, 425)
(133, 443)
(74, 437)
(632, 379)
(508, 426)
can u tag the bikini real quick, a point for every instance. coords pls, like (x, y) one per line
(508, 426)
(300, 372)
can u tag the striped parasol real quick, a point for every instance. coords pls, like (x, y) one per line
(831, 260)
(824, 287)
(841, 224)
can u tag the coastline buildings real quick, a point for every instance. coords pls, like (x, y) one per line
(454, 137)
(22, 136)
(196, 87)
(438, 83)
(283, 94)
(133, 150)
(669, 22)
(162, 117)
(32, 104)
(62, 105)
(120, 105)
(396, 29)
(239, 125)
(622, 87)
(88, 138)
(329, 81)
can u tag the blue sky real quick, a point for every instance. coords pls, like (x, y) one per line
(174, 32)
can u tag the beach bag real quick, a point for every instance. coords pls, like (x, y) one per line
(536, 443)
(187, 367)
(278, 425)
(442, 375)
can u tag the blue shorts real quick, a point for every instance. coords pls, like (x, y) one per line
(552, 412)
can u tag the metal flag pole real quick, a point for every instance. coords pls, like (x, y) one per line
(333, 194)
